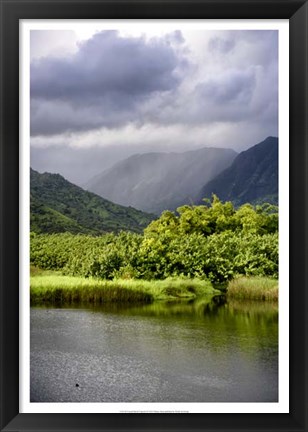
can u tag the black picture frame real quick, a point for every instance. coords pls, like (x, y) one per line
(14, 10)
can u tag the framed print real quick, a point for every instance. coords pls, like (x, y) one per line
(153, 190)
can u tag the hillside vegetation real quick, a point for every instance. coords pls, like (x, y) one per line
(57, 205)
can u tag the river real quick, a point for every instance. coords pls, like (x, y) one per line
(204, 351)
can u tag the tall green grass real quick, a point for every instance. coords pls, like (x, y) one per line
(57, 289)
(253, 288)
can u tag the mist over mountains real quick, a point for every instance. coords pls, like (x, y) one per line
(154, 182)
(129, 194)
(80, 164)
(252, 177)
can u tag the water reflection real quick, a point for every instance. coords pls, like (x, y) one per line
(207, 350)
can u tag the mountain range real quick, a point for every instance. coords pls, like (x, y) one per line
(56, 205)
(154, 182)
(252, 177)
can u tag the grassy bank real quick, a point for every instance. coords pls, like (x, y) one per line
(54, 288)
(253, 288)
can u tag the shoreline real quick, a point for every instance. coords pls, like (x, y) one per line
(57, 289)
(48, 287)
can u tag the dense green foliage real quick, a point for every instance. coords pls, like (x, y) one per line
(60, 206)
(212, 241)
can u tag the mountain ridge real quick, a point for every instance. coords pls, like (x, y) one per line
(252, 177)
(57, 205)
(158, 181)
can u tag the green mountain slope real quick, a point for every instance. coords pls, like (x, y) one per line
(57, 205)
(154, 182)
(252, 177)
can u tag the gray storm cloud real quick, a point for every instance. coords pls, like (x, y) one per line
(238, 83)
(234, 86)
(103, 84)
(111, 81)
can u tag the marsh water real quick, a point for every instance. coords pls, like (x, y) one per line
(205, 351)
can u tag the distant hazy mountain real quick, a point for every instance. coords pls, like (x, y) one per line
(58, 206)
(252, 177)
(154, 182)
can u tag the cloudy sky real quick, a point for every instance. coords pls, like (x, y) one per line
(99, 96)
